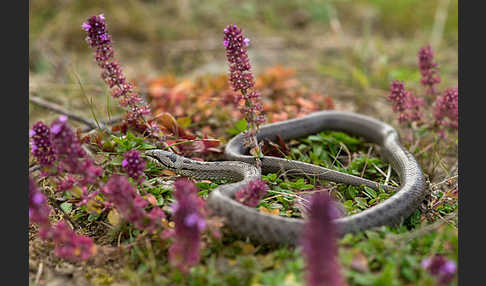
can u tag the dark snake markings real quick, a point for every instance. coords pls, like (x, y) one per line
(267, 228)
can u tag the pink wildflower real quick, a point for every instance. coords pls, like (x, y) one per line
(38, 208)
(41, 145)
(428, 69)
(407, 105)
(252, 194)
(71, 156)
(134, 165)
(112, 74)
(189, 217)
(130, 205)
(446, 109)
(70, 245)
(443, 269)
(241, 79)
(319, 243)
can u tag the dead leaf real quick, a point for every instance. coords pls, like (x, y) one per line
(114, 217)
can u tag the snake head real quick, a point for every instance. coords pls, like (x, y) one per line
(165, 158)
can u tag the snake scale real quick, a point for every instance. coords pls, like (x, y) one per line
(272, 229)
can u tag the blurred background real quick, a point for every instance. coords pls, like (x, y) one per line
(347, 50)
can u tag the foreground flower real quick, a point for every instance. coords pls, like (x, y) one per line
(407, 105)
(253, 193)
(41, 145)
(428, 69)
(38, 208)
(134, 165)
(189, 217)
(100, 40)
(242, 81)
(69, 245)
(71, 156)
(441, 268)
(446, 109)
(319, 244)
(123, 196)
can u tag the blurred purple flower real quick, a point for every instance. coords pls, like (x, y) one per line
(441, 268)
(38, 208)
(130, 205)
(252, 194)
(41, 145)
(428, 69)
(189, 217)
(70, 245)
(319, 244)
(407, 105)
(446, 109)
(71, 156)
(134, 165)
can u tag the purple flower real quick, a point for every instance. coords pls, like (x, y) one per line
(41, 145)
(253, 193)
(38, 208)
(130, 205)
(189, 217)
(446, 109)
(241, 79)
(134, 165)
(70, 245)
(319, 243)
(441, 268)
(71, 156)
(86, 27)
(100, 40)
(428, 69)
(407, 105)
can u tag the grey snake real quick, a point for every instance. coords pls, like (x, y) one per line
(272, 229)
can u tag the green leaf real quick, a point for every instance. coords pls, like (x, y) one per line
(67, 207)
(370, 192)
(241, 125)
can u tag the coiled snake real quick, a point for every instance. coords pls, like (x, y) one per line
(268, 228)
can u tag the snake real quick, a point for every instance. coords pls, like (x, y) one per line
(240, 169)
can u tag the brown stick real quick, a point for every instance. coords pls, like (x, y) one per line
(59, 109)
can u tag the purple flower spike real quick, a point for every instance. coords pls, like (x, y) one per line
(189, 217)
(100, 40)
(428, 69)
(446, 109)
(38, 208)
(70, 245)
(41, 144)
(252, 195)
(130, 205)
(442, 269)
(242, 81)
(319, 243)
(134, 165)
(407, 105)
(70, 154)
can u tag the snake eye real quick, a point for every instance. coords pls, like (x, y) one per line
(173, 158)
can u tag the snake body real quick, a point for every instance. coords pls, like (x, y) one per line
(272, 229)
